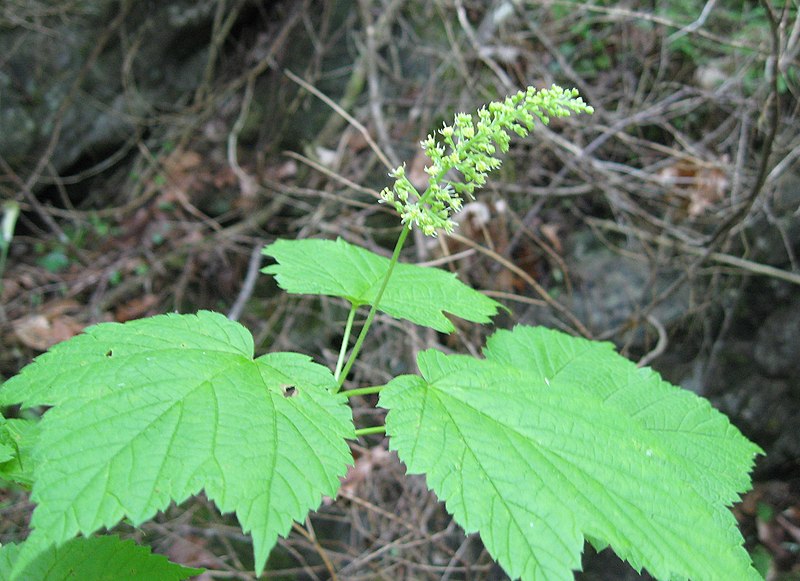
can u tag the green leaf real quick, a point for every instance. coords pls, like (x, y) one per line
(17, 440)
(339, 269)
(8, 448)
(553, 439)
(7, 453)
(95, 559)
(154, 410)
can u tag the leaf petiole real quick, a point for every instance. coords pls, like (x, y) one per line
(345, 340)
(340, 375)
(371, 430)
(374, 308)
(363, 391)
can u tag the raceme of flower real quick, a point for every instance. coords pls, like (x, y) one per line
(468, 147)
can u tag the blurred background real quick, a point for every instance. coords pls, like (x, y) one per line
(149, 149)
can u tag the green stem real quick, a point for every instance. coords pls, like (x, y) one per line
(10, 215)
(363, 391)
(340, 377)
(3, 255)
(345, 340)
(370, 431)
(363, 334)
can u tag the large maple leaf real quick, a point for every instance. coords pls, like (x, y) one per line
(152, 411)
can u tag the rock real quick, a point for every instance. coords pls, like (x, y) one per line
(611, 288)
(768, 412)
(777, 347)
(155, 65)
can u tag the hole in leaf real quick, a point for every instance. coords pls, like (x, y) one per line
(288, 390)
(109, 353)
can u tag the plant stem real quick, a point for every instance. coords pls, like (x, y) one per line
(345, 340)
(362, 335)
(363, 391)
(10, 215)
(370, 431)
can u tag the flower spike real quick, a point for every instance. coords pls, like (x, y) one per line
(467, 147)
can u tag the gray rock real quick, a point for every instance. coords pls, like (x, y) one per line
(156, 67)
(611, 288)
(777, 347)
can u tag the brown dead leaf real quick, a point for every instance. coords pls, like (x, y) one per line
(550, 231)
(11, 288)
(135, 308)
(362, 468)
(223, 178)
(58, 307)
(710, 187)
(187, 173)
(51, 325)
(698, 187)
(180, 161)
(192, 551)
(40, 332)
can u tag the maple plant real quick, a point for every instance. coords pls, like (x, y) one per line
(545, 441)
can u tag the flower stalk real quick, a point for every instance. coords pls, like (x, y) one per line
(467, 149)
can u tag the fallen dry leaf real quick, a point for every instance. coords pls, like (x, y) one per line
(135, 308)
(550, 231)
(361, 469)
(192, 552)
(700, 187)
(40, 332)
(181, 161)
